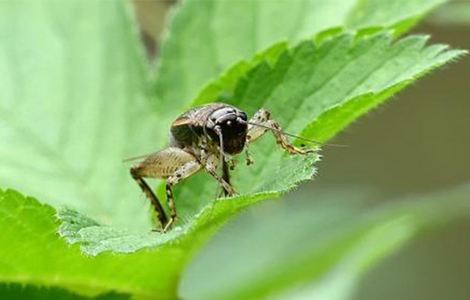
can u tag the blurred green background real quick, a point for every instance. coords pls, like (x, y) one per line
(417, 143)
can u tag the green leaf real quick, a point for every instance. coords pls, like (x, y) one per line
(206, 37)
(16, 291)
(297, 84)
(31, 253)
(316, 245)
(334, 82)
(407, 61)
(72, 106)
(339, 72)
(74, 102)
(337, 238)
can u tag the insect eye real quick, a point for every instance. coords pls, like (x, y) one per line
(243, 116)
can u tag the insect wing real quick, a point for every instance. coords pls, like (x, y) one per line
(181, 121)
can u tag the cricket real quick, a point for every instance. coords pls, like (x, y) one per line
(206, 138)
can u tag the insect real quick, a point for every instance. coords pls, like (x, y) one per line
(205, 138)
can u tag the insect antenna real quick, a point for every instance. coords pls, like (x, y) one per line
(221, 145)
(136, 157)
(295, 136)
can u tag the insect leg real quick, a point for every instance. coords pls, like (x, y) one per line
(181, 173)
(262, 122)
(226, 175)
(164, 164)
(210, 164)
(136, 174)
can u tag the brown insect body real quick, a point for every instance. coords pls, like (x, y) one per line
(202, 138)
(201, 122)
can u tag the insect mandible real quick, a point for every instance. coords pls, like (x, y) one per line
(204, 138)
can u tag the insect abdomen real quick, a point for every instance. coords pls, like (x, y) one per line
(163, 163)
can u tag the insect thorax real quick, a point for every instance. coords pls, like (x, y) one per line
(209, 123)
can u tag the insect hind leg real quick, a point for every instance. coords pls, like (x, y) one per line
(136, 174)
(172, 164)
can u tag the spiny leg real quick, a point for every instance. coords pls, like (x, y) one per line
(162, 218)
(228, 165)
(226, 175)
(263, 118)
(226, 168)
(167, 163)
(210, 164)
(181, 173)
(225, 180)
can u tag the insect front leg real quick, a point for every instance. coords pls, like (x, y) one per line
(263, 118)
(226, 175)
(210, 164)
